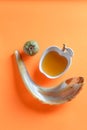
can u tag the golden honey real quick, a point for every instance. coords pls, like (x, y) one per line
(54, 64)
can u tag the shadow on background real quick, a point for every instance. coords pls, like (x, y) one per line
(25, 96)
(40, 78)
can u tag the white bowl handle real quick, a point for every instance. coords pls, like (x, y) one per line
(67, 50)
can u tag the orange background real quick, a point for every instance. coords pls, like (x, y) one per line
(49, 23)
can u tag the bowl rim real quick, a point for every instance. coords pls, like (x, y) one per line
(60, 52)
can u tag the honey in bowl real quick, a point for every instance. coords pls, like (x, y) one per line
(54, 64)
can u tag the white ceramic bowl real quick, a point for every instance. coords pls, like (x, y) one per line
(66, 52)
